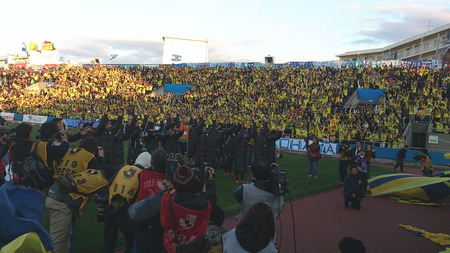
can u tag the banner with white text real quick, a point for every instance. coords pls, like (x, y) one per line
(326, 148)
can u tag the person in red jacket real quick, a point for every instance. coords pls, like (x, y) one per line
(184, 214)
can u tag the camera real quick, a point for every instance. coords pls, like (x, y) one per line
(7, 138)
(171, 165)
(278, 180)
(204, 171)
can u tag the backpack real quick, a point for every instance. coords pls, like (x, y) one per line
(33, 169)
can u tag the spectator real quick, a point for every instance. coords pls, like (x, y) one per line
(111, 135)
(344, 160)
(401, 155)
(370, 154)
(313, 158)
(361, 165)
(254, 233)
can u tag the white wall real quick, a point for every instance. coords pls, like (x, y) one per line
(178, 50)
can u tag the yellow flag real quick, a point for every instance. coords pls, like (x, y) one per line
(33, 46)
(48, 46)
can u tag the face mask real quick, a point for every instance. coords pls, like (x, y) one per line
(362, 156)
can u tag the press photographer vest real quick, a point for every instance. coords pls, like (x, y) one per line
(125, 183)
(88, 182)
(41, 151)
(151, 182)
(252, 194)
(191, 224)
(74, 161)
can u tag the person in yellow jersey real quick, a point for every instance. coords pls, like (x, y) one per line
(123, 191)
(46, 149)
(82, 158)
(67, 201)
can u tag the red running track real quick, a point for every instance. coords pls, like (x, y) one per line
(321, 221)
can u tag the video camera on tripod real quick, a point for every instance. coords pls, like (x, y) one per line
(278, 180)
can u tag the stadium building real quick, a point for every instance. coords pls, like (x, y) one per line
(431, 45)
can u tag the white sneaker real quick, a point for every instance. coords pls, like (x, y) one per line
(309, 175)
(315, 176)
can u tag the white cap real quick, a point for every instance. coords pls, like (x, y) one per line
(144, 159)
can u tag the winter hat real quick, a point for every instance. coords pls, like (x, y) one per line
(144, 159)
(184, 179)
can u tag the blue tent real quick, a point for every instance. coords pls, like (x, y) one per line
(177, 88)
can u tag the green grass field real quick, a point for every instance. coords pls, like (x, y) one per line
(89, 233)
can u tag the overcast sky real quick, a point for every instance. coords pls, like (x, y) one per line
(237, 30)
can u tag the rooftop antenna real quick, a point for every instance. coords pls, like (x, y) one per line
(429, 24)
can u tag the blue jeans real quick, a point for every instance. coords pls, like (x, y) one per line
(313, 168)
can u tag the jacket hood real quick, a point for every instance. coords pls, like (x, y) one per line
(248, 242)
(21, 212)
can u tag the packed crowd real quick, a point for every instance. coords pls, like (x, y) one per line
(300, 100)
(157, 202)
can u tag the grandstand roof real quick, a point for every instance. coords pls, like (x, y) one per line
(397, 44)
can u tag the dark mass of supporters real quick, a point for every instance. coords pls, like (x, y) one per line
(298, 100)
(229, 121)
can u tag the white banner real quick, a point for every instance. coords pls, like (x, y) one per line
(34, 119)
(7, 116)
(326, 148)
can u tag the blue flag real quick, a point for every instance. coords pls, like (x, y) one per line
(24, 48)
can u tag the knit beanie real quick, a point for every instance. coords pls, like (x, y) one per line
(184, 179)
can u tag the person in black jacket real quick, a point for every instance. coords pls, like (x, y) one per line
(352, 189)
(62, 129)
(136, 145)
(259, 142)
(401, 155)
(19, 150)
(2, 120)
(4, 147)
(269, 145)
(344, 160)
(169, 140)
(111, 135)
(240, 166)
